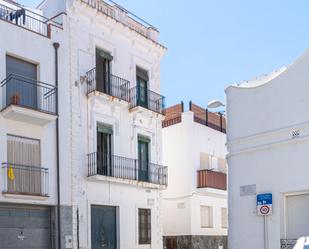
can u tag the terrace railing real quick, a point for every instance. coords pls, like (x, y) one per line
(17, 15)
(29, 93)
(213, 120)
(126, 168)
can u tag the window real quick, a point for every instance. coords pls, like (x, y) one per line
(206, 216)
(103, 70)
(21, 87)
(224, 216)
(144, 226)
(23, 151)
(142, 87)
(23, 165)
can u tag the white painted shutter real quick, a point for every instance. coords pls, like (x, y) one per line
(206, 216)
(224, 219)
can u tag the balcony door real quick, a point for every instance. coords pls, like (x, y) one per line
(142, 87)
(143, 159)
(23, 165)
(104, 149)
(21, 89)
(103, 71)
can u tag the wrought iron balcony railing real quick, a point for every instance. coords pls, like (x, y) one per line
(211, 179)
(29, 93)
(126, 168)
(17, 15)
(147, 99)
(288, 243)
(108, 84)
(25, 180)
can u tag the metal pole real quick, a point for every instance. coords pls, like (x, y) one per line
(265, 233)
(56, 46)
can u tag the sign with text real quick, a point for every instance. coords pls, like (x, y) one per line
(264, 203)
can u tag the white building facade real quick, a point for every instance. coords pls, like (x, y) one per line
(116, 121)
(195, 201)
(268, 153)
(31, 92)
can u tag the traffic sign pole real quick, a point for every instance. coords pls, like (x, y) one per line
(265, 233)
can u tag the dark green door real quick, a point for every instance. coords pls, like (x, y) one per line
(104, 152)
(142, 92)
(103, 227)
(143, 159)
(103, 73)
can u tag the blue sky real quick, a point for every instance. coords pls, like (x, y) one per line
(214, 43)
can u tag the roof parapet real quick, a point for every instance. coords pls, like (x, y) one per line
(120, 14)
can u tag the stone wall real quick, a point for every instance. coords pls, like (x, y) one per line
(195, 242)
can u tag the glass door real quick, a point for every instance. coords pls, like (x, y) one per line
(142, 92)
(103, 69)
(104, 154)
(143, 159)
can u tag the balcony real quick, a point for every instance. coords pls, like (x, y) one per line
(126, 168)
(109, 84)
(150, 101)
(15, 14)
(28, 100)
(211, 179)
(287, 243)
(25, 180)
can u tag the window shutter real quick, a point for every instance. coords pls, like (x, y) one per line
(222, 165)
(206, 216)
(23, 151)
(204, 160)
(224, 217)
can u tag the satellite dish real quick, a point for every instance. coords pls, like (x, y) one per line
(215, 104)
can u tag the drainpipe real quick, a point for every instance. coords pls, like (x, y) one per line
(56, 46)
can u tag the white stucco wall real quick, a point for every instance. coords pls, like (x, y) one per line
(87, 29)
(182, 145)
(263, 151)
(26, 45)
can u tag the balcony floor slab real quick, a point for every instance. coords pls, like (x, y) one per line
(27, 115)
(98, 178)
(25, 196)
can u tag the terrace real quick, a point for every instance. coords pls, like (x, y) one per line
(23, 17)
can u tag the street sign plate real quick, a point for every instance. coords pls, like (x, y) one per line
(264, 204)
